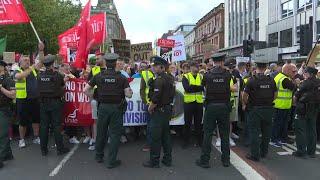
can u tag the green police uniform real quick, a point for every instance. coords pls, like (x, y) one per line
(260, 90)
(217, 112)
(111, 97)
(308, 101)
(51, 88)
(5, 150)
(161, 93)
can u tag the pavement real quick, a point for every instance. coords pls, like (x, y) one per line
(79, 164)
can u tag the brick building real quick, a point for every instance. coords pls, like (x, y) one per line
(209, 34)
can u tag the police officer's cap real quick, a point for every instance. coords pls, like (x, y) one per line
(218, 57)
(311, 70)
(111, 57)
(2, 63)
(49, 60)
(159, 61)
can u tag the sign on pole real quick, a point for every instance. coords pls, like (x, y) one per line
(165, 49)
(141, 52)
(179, 51)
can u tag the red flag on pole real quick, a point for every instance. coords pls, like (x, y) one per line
(82, 53)
(13, 12)
(96, 30)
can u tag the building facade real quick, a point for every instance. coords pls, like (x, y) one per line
(209, 34)
(115, 28)
(283, 29)
(244, 19)
(189, 43)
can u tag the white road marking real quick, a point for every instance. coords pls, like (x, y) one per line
(318, 146)
(245, 169)
(63, 161)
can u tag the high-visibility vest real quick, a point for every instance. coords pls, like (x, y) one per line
(233, 94)
(146, 76)
(21, 86)
(95, 70)
(284, 98)
(193, 97)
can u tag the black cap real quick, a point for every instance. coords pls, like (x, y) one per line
(230, 63)
(111, 57)
(311, 70)
(49, 60)
(159, 61)
(219, 57)
(2, 63)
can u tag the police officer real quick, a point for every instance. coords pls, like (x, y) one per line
(112, 88)
(308, 100)
(162, 92)
(258, 96)
(7, 93)
(217, 110)
(193, 104)
(51, 88)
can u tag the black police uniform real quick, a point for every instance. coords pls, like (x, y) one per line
(261, 90)
(51, 88)
(217, 111)
(161, 93)
(111, 98)
(308, 101)
(5, 114)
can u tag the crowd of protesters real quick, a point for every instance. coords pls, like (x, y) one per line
(25, 113)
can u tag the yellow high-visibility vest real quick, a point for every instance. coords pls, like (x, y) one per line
(95, 70)
(233, 94)
(21, 86)
(193, 97)
(284, 98)
(146, 76)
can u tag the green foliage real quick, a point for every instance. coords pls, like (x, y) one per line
(50, 18)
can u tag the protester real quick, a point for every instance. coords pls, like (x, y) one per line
(27, 95)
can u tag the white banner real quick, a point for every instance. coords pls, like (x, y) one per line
(137, 115)
(179, 51)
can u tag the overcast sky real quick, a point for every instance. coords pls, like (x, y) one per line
(146, 20)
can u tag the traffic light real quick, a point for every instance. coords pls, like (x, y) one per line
(306, 33)
(248, 48)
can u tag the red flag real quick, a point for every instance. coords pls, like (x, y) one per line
(82, 53)
(96, 30)
(13, 12)
(68, 39)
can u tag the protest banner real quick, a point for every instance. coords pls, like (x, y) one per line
(137, 115)
(77, 109)
(122, 48)
(141, 52)
(164, 49)
(9, 57)
(178, 51)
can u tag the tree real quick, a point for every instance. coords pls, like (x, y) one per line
(50, 18)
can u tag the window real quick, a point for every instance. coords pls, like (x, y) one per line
(257, 4)
(286, 38)
(318, 29)
(209, 28)
(304, 4)
(287, 9)
(273, 39)
(257, 24)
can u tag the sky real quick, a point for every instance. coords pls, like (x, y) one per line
(146, 20)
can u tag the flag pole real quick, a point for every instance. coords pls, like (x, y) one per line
(35, 31)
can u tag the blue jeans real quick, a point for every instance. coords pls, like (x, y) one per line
(280, 125)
